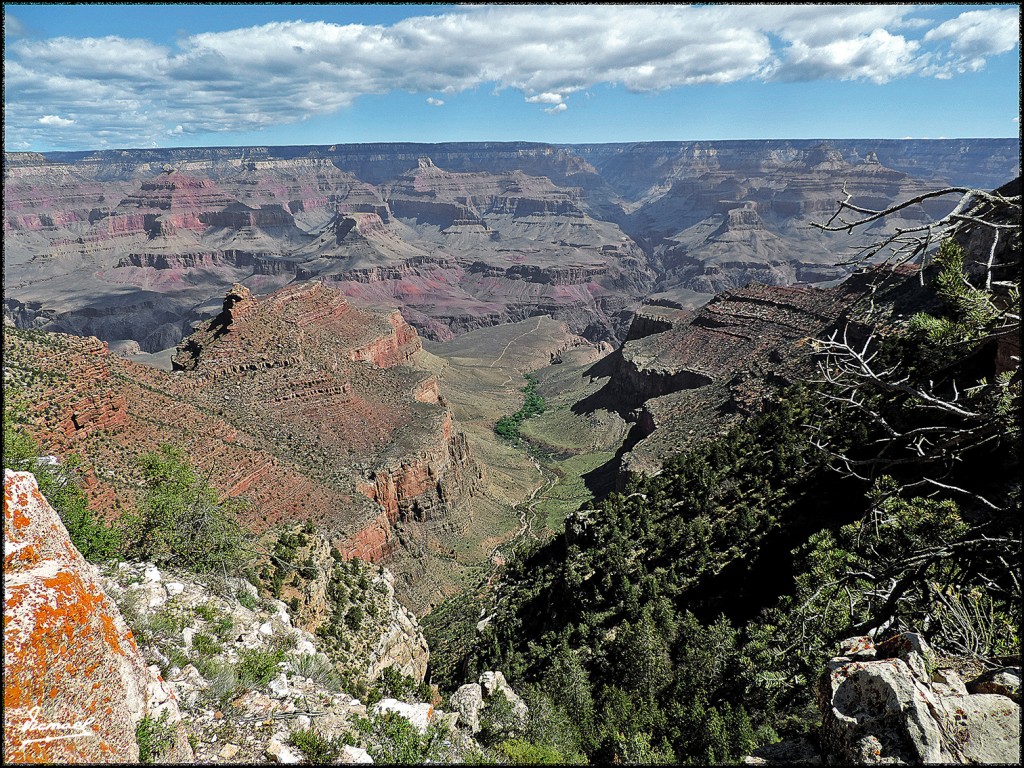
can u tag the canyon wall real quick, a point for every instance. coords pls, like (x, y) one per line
(140, 245)
(299, 402)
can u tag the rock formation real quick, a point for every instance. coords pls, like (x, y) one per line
(900, 703)
(686, 374)
(141, 244)
(472, 699)
(236, 678)
(301, 402)
(895, 703)
(76, 686)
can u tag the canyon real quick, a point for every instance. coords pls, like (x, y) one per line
(137, 247)
(286, 293)
(329, 335)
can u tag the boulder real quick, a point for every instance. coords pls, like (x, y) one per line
(468, 701)
(492, 682)
(355, 755)
(281, 754)
(1004, 681)
(417, 714)
(75, 684)
(890, 710)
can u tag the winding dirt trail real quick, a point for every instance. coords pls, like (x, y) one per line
(513, 341)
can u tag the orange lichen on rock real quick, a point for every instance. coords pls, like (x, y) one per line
(75, 683)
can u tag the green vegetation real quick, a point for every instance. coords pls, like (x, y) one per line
(317, 748)
(569, 492)
(154, 737)
(685, 618)
(181, 522)
(318, 668)
(95, 538)
(392, 740)
(533, 404)
(396, 685)
(257, 667)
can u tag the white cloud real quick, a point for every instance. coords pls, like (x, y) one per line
(127, 91)
(970, 39)
(545, 98)
(979, 33)
(55, 120)
(556, 109)
(13, 28)
(878, 57)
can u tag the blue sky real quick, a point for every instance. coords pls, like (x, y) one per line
(95, 76)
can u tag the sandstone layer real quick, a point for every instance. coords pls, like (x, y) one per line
(140, 245)
(301, 403)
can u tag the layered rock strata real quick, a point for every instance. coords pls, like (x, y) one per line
(132, 245)
(687, 373)
(302, 403)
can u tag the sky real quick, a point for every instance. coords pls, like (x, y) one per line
(93, 76)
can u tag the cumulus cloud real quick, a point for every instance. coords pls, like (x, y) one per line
(128, 91)
(55, 120)
(971, 38)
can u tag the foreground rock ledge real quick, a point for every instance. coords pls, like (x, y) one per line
(75, 684)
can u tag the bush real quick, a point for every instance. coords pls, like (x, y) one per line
(258, 667)
(181, 522)
(205, 645)
(498, 720)
(354, 618)
(223, 680)
(395, 741)
(396, 685)
(317, 748)
(154, 737)
(522, 752)
(206, 611)
(318, 668)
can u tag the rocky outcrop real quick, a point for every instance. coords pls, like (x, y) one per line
(699, 369)
(727, 335)
(323, 590)
(471, 700)
(899, 703)
(413, 489)
(249, 676)
(891, 704)
(76, 686)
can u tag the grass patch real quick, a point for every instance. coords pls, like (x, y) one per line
(570, 491)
